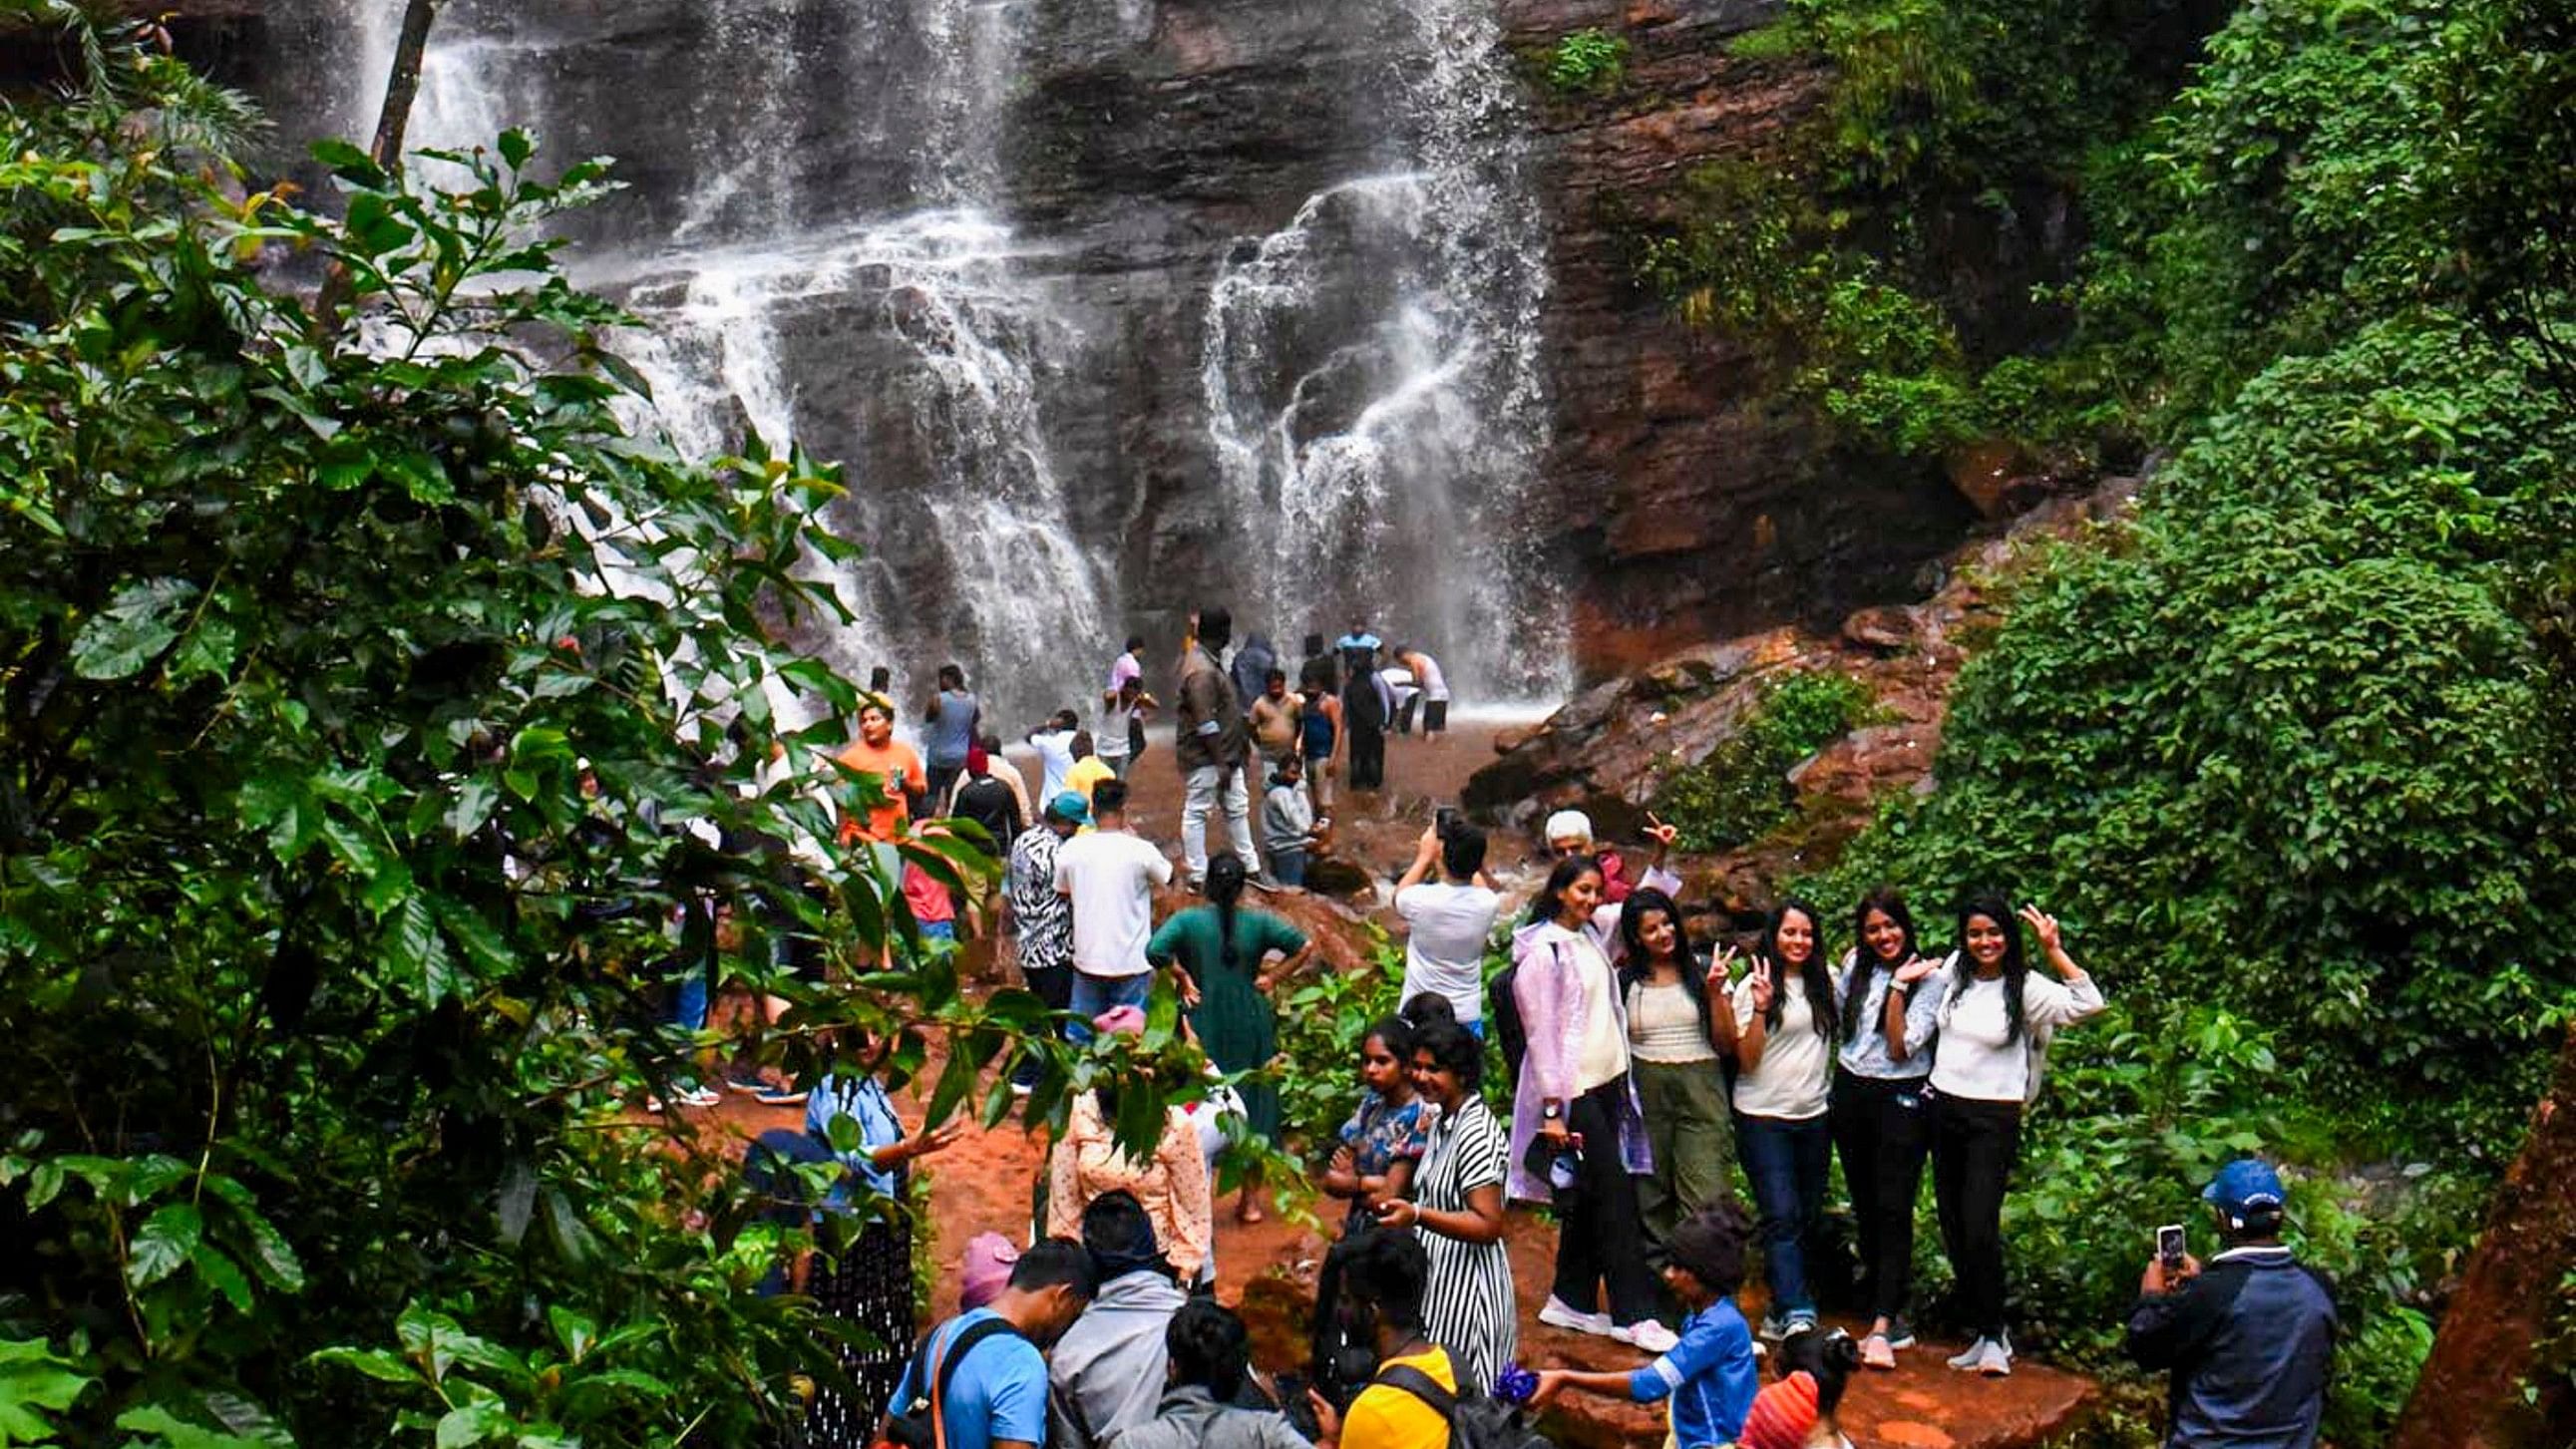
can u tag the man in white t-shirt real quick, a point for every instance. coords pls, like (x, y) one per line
(1449, 920)
(1054, 744)
(1110, 877)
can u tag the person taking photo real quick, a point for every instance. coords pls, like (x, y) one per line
(2248, 1338)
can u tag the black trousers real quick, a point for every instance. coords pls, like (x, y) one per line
(1368, 757)
(1602, 1242)
(1973, 1147)
(1883, 1132)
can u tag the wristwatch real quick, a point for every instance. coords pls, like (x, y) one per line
(1552, 1111)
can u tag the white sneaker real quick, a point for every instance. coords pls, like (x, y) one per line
(1647, 1334)
(1557, 1314)
(1996, 1363)
(1975, 1355)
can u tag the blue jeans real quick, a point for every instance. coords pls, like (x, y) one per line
(1788, 1163)
(1093, 995)
(1288, 864)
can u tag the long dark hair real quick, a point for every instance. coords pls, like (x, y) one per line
(2016, 967)
(1819, 981)
(1889, 902)
(1549, 903)
(1643, 902)
(1224, 887)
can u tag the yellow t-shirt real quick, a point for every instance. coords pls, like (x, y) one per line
(1088, 771)
(1384, 1417)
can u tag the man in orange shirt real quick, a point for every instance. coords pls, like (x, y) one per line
(897, 767)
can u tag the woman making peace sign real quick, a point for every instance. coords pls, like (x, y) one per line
(1995, 1022)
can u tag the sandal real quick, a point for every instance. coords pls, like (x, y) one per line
(1877, 1353)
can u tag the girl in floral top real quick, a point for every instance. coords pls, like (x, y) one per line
(1383, 1143)
(1381, 1150)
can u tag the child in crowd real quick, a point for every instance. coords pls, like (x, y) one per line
(1710, 1375)
(1798, 1410)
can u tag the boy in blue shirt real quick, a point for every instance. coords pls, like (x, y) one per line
(1710, 1375)
(997, 1396)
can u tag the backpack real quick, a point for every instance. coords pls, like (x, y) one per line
(923, 1423)
(1476, 1419)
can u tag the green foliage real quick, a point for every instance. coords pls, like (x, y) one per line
(1321, 1025)
(359, 681)
(1590, 61)
(1741, 790)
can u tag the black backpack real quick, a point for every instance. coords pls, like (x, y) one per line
(1476, 1419)
(922, 1424)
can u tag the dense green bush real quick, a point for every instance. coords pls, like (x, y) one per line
(360, 676)
(1742, 790)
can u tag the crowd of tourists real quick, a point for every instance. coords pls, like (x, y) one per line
(1643, 1074)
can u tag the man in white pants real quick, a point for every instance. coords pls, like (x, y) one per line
(1213, 744)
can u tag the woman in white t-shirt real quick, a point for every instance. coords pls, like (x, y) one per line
(1781, 1034)
(1995, 1022)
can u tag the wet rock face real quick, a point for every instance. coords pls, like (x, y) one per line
(1135, 149)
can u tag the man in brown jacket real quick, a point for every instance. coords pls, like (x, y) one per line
(1213, 744)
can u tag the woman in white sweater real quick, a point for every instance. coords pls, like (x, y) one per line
(1995, 1022)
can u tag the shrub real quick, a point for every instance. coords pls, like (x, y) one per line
(1741, 790)
(1589, 61)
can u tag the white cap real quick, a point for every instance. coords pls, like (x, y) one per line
(1569, 825)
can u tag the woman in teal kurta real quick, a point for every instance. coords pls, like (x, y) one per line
(1222, 950)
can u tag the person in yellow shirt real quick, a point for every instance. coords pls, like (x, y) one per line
(1384, 1274)
(1088, 768)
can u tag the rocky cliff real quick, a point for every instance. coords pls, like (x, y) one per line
(1144, 147)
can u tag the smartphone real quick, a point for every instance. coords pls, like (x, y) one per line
(1444, 820)
(2169, 1248)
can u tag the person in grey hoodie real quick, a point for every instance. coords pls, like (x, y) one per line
(1209, 1350)
(1108, 1369)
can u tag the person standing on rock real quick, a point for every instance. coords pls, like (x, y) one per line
(1054, 743)
(1780, 1029)
(1367, 707)
(1578, 1141)
(951, 722)
(1569, 832)
(1882, 1112)
(1672, 1038)
(1274, 716)
(1995, 1022)
(1710, 1376)
(1319, 734)
(1251, 668)
(1213, 745)
(1448, 922)
(1457, 1209)
(1042, 918)
(1434, 685)
(1224, 951)
(1110, 877)
(895, 768)
(1289, 826)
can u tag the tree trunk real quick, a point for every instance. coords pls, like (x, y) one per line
(2491, 1347)
(402, 87)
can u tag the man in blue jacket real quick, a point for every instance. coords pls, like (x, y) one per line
(2250, 1338)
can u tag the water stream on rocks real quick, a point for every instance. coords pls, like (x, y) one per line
(841, 229)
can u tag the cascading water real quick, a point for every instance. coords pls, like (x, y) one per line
(1372, 380)
(851, 223)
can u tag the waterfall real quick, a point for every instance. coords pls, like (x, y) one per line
(847, 224)
(1373, 382)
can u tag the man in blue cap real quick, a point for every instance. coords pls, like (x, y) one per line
(2248, 1339)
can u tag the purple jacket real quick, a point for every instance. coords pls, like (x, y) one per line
(1548, 988)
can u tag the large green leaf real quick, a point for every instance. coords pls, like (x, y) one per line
(139, 622)
(164, 1243)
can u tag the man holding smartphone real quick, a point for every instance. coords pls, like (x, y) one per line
(2248, 1338)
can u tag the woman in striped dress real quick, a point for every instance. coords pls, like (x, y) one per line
(1457, 1210)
